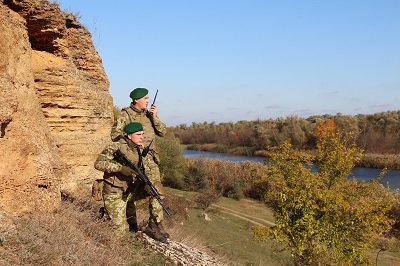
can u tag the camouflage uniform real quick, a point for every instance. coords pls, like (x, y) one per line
(119, 191)
(152, 127)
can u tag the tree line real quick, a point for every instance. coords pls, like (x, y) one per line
(374, 133)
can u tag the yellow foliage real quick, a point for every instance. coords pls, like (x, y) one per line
(325, 129)
(322, 217)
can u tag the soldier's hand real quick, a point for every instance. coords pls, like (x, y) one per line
(127, 171)
(153, 110)
(147, 189)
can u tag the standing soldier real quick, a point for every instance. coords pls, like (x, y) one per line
(119, 190)
(137, 112)
(152, 126)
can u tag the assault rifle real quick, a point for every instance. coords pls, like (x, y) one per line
(120, 157)
(147, 149)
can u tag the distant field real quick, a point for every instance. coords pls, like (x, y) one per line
(229, 235)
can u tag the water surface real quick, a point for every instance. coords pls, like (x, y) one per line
(392, 178)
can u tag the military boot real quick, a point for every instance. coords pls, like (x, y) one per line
(162, 230)
(153, 231)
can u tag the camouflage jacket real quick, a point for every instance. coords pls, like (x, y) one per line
(151, 126)
(106, 162)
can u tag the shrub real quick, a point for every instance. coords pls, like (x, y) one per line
(206, 197)
(197, 176)
(172, 163)
(395, 215)
(322, 217)
(234, 191)
(231, 179)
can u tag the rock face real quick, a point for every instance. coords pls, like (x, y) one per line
(181, 254)
(55, 109)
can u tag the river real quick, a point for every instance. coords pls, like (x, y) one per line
(392, 178)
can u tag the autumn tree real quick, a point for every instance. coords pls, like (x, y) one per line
(322, 216)
(376, 133)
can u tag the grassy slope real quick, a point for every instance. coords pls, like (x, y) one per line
(230, 236)
(71, 235)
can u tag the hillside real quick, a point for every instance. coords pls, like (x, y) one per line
(226, 230)
(76, 235)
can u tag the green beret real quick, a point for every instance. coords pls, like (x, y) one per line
(138, 93)
(133, 127)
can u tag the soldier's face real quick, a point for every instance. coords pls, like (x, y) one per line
(136, 138)
(142, 103)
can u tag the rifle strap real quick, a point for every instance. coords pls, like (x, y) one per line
(140, 162)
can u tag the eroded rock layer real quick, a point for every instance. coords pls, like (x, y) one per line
(55, 111)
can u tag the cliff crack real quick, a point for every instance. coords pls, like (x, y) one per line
(3, 127)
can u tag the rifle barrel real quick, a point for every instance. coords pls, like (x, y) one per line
(147, 149)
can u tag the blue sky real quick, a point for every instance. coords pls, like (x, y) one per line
(225, 61)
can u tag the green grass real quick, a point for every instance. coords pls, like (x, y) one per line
(248, 207)
(386, 258)
(186, 194)
(227, 235)
(230, 237)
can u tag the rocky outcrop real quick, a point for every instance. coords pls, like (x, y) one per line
(28, 159)
(55, 111)
(181, 254)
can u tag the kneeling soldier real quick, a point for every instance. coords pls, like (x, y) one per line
(120, 191)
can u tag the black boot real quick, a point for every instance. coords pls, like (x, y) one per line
(153, 231)
(162, 230)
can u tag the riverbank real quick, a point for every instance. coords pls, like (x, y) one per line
(369, 160)
(390, 177)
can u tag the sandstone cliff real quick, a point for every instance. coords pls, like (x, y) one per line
(55, 109)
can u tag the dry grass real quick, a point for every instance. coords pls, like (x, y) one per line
(389, 161)
(215, 147)
(72, 235)
(182, 204)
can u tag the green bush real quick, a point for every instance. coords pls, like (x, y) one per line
(234, 191)
(172, 163)
(206, 197)
(197, 176)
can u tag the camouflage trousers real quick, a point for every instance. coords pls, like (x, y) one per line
(142, 198)
(123, 207)
(115, 204)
